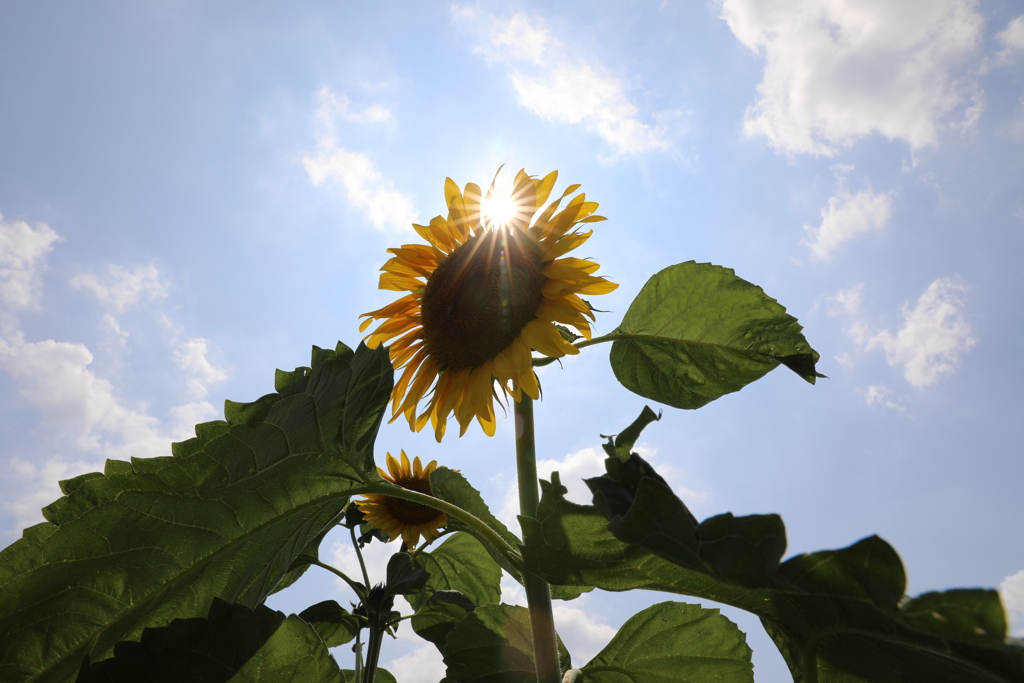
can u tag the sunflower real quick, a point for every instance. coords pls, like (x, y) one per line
(397, 517)
(485, 292)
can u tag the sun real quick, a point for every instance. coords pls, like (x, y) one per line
(499, 208)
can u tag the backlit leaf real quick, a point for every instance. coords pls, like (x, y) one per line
(152, 540)
(697, 332)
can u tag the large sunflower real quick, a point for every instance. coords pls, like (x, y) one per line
(483, 294)
(403, 518)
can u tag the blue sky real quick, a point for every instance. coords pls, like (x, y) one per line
(192, 194)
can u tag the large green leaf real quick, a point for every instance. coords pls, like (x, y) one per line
(462, 575)
(697, 332)
(460, 563)
(152, 540)
(673, 642)
(232, 645)
(494, 645)
(841, 611)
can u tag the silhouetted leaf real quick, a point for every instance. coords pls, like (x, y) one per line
(232, 645)
(840, 609)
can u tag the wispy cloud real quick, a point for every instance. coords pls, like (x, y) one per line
(558, 84)
(1011, 39)
(880, 395)
(930, 342)
(354, 173)
(120, 288)
(845, 217)
(838, 71)
(22, 250)
(200, 372)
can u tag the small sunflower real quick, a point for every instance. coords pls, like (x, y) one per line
(397, 517)
(483, 294)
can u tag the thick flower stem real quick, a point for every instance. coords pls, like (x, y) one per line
(538, 592)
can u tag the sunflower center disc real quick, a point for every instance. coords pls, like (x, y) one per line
(408, 512)
(480, 297)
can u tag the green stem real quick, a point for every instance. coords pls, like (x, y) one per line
(359, 556)
(811, 662)
(538, 362)
(538, 593)
(356, 588)
(372, 653)
(470, 520)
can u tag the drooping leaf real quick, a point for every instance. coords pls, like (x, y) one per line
(404, 575)
(224, 517)
(462, 575)
(335, 624)
(452, 487)
(841, 609)
(673, 642)
(697, 332)
(461, 563)
(494, 645)
(232, 645)
(438, 614)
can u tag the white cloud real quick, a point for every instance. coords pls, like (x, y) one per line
(847, 301)
(354, 173)
(422, 665)
(121, 288)
(22, 249)
(877, 394)
(584, 634)
(840, 70)
(557, 84)
(1012, 40)
(333, 106)
(1012, 591)
(933, 336)
(55, 377)
(114, 327)
(200, 373)
(846, 216)
(364, 187)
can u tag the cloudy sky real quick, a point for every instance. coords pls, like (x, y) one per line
(193, 194)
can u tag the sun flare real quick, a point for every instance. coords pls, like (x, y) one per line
(499, 209)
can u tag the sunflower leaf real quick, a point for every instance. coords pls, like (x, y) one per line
(842, 609)
(462, 575)
(673, 641)
(461, 564)
(697, 332)
(335, 624)
(494, 644)
(225, 517)
(452, 487)
(381, 675)
(567, 334)
(233, 643)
